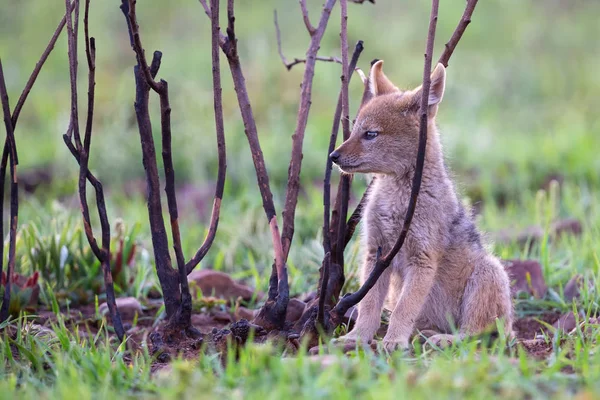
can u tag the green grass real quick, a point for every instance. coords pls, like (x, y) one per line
(520, 105)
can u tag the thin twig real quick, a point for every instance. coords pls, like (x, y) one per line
(230, 50)
(465, 20)
(331, 281)
(290, 64)
(38, 67)
(221, 149)
(311, 29)
(81, 155)
(72, 52)
(343, 105)
(357, 214)
(293, 182)
(346, 179)
(275, 311)
(137, 46)
(382, 263)
(14, 196)
(15, 117)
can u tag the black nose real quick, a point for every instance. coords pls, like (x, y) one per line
(334, 156)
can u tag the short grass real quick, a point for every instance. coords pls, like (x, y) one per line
(520, 106)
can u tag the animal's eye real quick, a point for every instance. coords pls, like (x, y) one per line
(370, 135)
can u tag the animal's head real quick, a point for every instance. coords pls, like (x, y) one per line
(385, 136)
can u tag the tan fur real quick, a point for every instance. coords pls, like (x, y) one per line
(443, 276)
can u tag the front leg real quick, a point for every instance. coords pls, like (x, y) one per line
(420, 275)
(369, 308)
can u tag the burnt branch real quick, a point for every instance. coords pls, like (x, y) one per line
(168, 277)
(357, 214)
(17, 111)
(331, 279)
(293, 182)
(81, 154)
(220, 131)
(346, 180)
(273, 312)
(338, 276)
(465, 20)
(38, 68)
(14, 196)
(327, 296)
(72, 52)
(382, 263)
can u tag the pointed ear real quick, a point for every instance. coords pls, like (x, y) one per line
(379, 84)
(436, 91)
(438, 83)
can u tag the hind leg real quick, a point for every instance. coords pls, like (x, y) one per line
(486, 299)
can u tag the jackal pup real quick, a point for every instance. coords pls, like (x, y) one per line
(443, 276)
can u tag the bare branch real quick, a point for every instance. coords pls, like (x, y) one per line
(81, 155)
(341, 110)
(332, 273)
(274, 311)
(293, 183)
(311, 29)
(220, 131)
(382, 263)
(290, 64)
(72, 51)
(458, 32)
(14, 196)
(346, 180)
(168, 277)
(137, 46)
(38, 67)
(357, 214)
(9, 149)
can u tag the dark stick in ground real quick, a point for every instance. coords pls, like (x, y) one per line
(382, 263)
(293, 182)
(168, 277)
(14, 195)
(334, 280)
(272, 314)
(295, 166)
(81, 154)
(17, 112)
(221, 149)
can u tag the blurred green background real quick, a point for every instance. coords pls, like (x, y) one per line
(520, 107)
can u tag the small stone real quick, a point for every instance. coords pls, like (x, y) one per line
(295, 309)
(127, 306)
(567, 226)
(219, 284)
(572, 289)
(308, 297)
(526, 276)
(588, 327)
(566, 322)
(244, 313)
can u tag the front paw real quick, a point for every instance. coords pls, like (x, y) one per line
(391, 345)
(351, 341)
